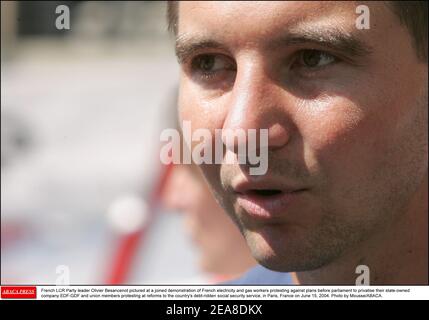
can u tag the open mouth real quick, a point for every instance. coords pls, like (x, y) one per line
(264, 192)
(267, 203)
(268, 199)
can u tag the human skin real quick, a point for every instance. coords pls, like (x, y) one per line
(349, 131)
(222, 250)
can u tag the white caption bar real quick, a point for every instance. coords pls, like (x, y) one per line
(232, 292)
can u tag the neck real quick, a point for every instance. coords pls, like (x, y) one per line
(397, 255)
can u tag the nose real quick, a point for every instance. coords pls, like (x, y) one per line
(257, 102)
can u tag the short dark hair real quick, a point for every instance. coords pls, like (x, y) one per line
(172, 15)
(412, 14)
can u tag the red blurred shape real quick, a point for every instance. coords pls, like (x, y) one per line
(128, 244)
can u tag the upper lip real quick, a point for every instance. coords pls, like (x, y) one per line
(246, 186)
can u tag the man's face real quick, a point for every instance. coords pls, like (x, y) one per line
(346, 111)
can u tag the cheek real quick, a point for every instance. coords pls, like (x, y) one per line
(204, 112)
(340, 139)
(212, 175)
(204, 109)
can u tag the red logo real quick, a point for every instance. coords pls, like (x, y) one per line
(18, 292)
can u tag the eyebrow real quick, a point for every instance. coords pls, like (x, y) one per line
(187, 46)
(332, 38)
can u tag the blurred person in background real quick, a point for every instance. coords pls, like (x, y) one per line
(71, 144)
(223, 252)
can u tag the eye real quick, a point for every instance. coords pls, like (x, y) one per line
(207, 63)
(313, 59)
(210, 65)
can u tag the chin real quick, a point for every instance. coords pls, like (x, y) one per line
(268, 253)
(288, 252)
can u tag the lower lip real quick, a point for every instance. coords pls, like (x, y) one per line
(267, 207)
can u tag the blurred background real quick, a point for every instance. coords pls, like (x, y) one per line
(81, 112)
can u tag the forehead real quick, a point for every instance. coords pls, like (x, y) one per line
(253, 21)
(224, 15)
